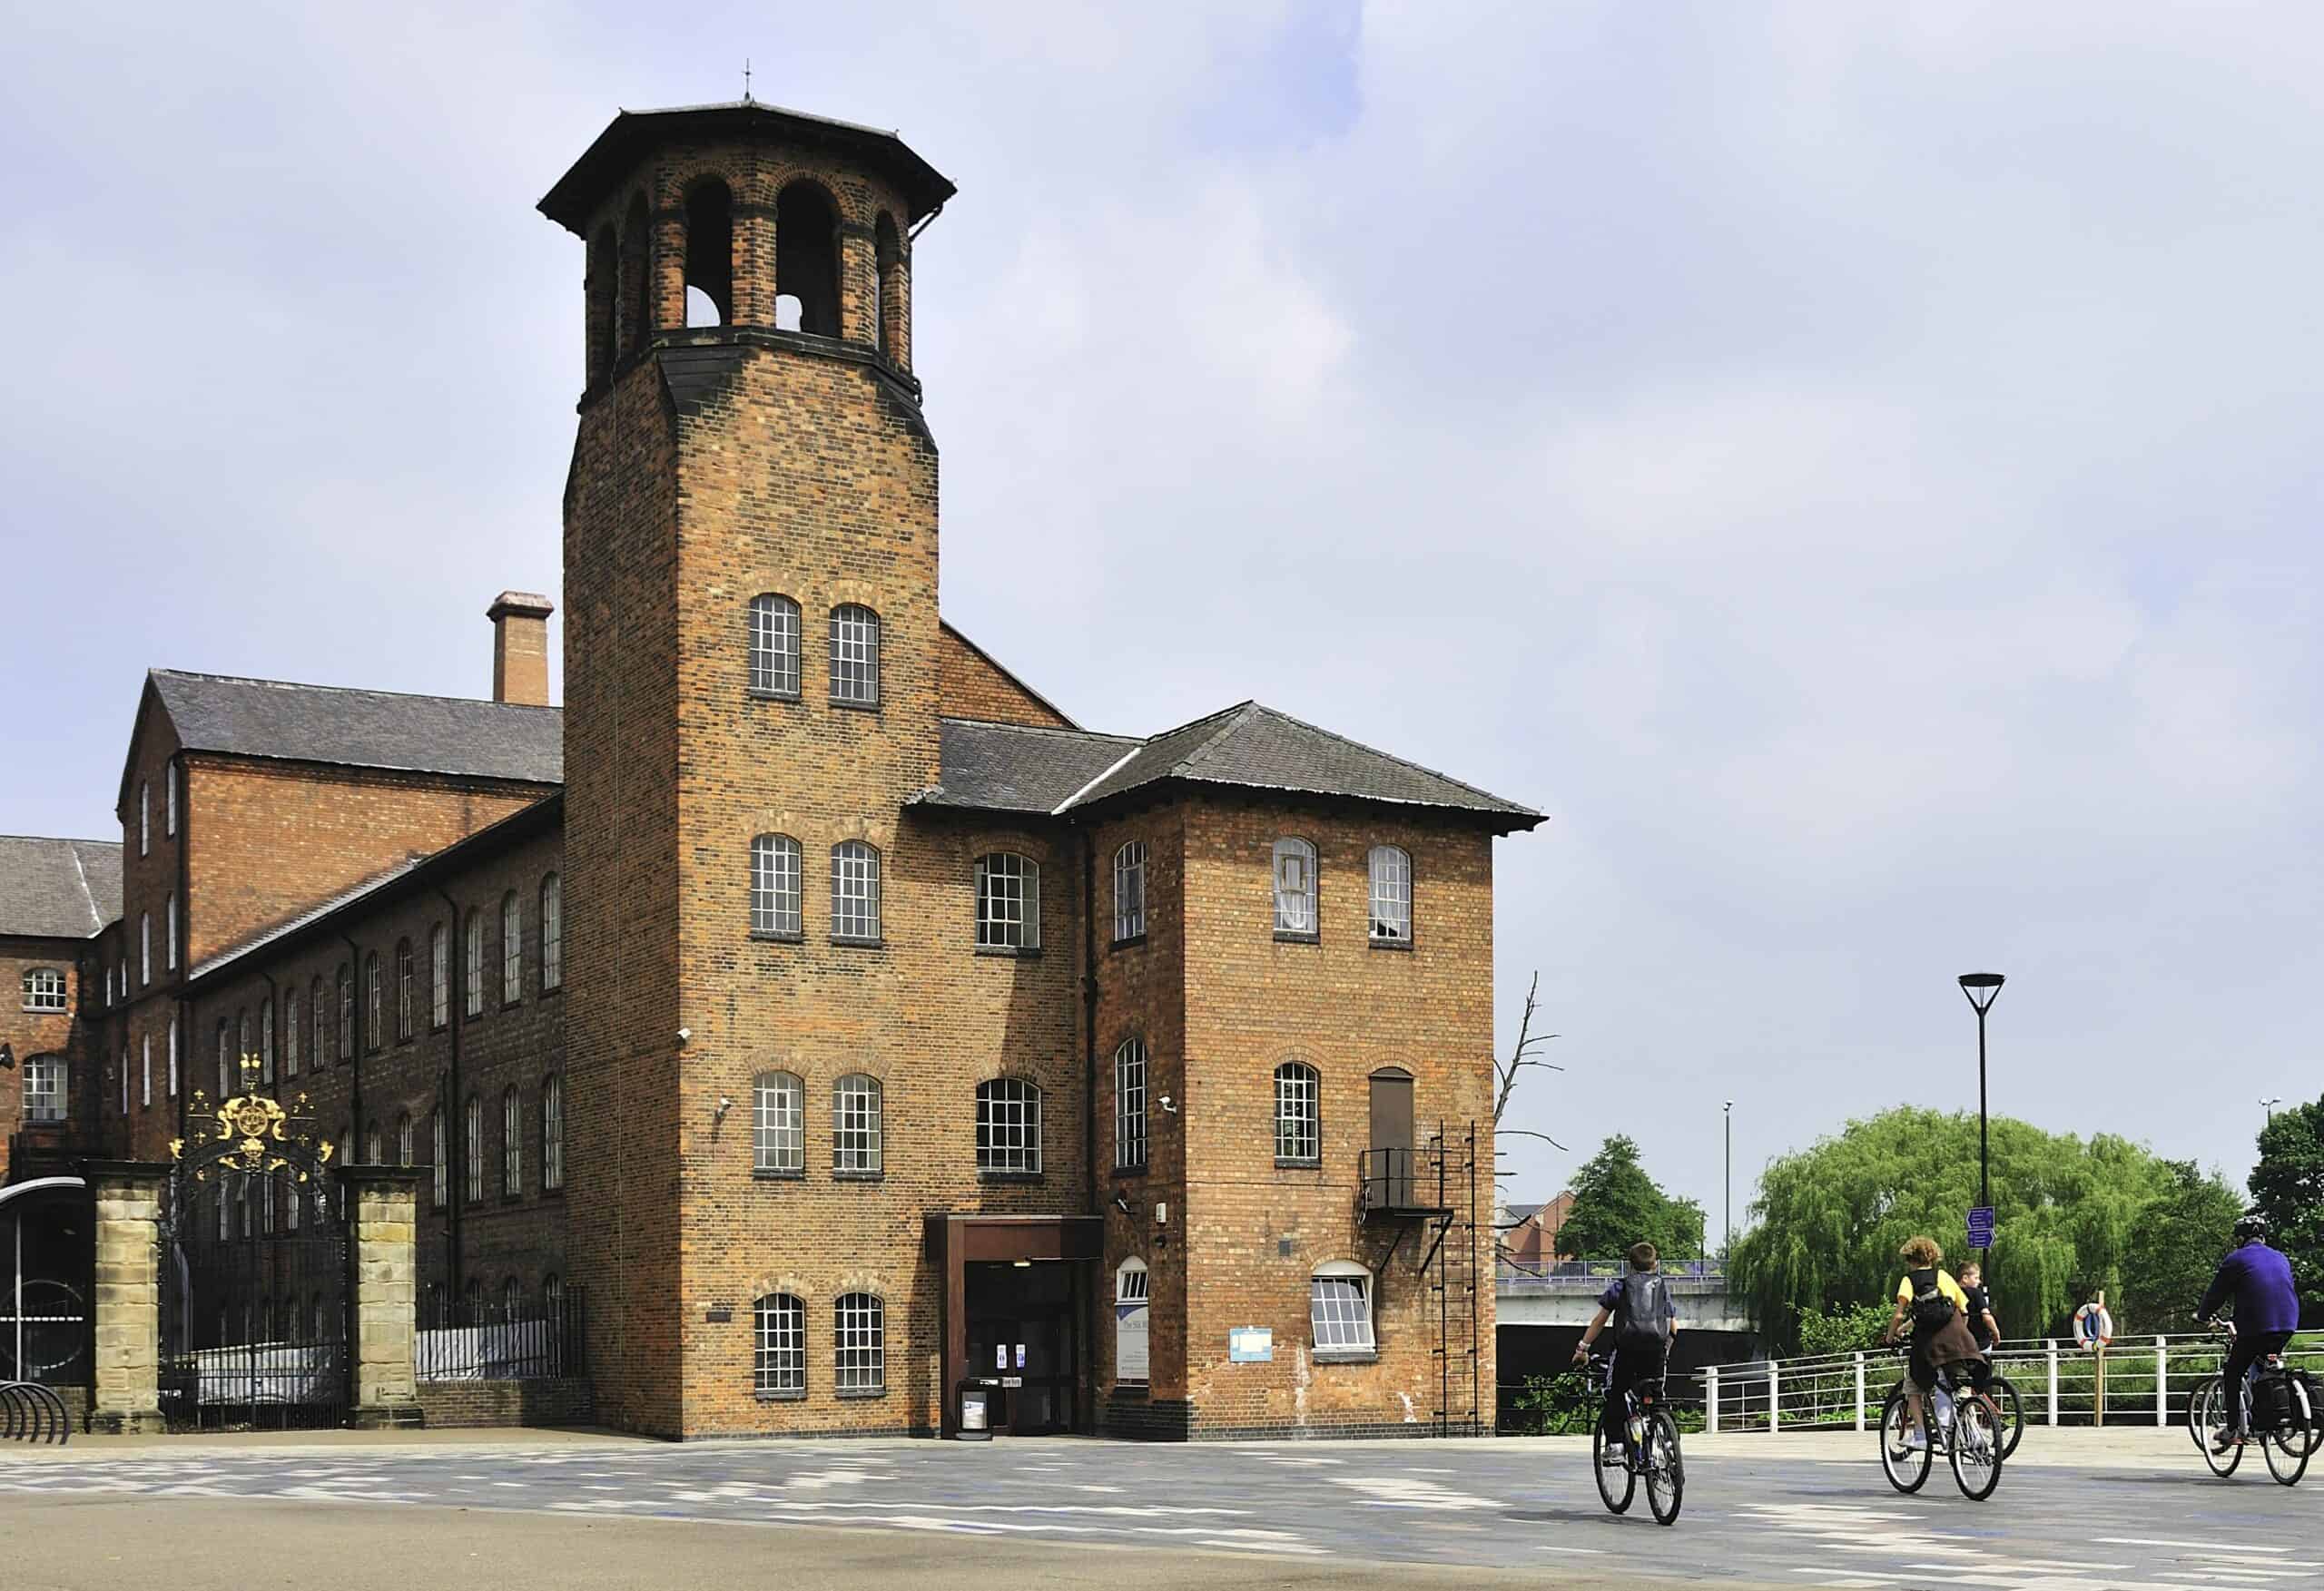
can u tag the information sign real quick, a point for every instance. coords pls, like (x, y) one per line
(1981, 1227)
(1250, 1345)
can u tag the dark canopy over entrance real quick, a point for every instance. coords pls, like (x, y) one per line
(1017, 1293)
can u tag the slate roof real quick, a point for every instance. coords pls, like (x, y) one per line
(364, 729)
(58, 888)
(1004, 767)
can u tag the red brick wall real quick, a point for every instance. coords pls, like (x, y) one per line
(970, 685)
(36, 1033)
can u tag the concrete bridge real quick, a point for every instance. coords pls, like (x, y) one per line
(1566, 1296)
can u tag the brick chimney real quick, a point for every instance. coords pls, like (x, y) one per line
(520, 647)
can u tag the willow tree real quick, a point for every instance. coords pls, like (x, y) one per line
(1828, 1220)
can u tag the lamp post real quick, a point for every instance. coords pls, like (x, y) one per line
(2270, 1107)
(1982, 989)
(1728, 1253)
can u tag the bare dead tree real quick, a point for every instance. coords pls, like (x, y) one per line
(1506, 1076)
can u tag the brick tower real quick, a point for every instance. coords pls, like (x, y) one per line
(752, 650)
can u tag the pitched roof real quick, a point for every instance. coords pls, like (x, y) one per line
(364, 729)
(58, 888)
(1008, 768)
(1017, 768)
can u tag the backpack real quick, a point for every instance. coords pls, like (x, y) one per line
(1641, 1316)
(1931, 1308)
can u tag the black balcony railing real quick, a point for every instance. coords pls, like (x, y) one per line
(1400, 1182)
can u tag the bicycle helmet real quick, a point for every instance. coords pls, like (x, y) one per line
(2251, 1227)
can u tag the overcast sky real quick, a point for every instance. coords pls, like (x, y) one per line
(1855, 467)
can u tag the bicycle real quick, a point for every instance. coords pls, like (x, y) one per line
(2280, 1414)
(1968, 1425)
(1648, 1446)
(2012, 1407)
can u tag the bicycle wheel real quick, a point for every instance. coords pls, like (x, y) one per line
(2013, 1413)
(2304, 1435)
(2287, 1448)
(1905, 1466)
(2209, 1418)
(1607, 1457)
(1666, 1472)
(1975, 1449)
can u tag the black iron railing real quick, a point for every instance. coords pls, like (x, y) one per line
(539, 1340)
(1400, 1182)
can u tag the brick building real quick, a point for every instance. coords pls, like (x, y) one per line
(847, 1021)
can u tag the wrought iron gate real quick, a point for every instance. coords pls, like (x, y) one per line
(254, 1273)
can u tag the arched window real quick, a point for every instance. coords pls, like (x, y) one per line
(553, 1296)
(637, 278)
(1339, 1310)
(407, 978)
(710, 254)
(855, 1126)
(43, 989)
(439, 975)
(774, 645)
(605, 273)
(289, 1008)
(888, 298)
(169, 798)
(512, 1144)
(778, 1128)
(473, 1301)
(345, 1015)
(1008, 902)
(225, 1061)
(806, 261)
(855, 656)
(856, 892)
(403, 1139)
(45, 1087)
(552, 1133)
(170, 930)
(472, 957)
(774, 885)
(859, 1344)
(145, 1075)
(1299, 1114)
(375, 1002)
(320, 1025)
(1130, 1304)
(266, 1042)
(1390, 872)
(551, 933)
(780, 1325)
(1129, 1106)
(512, 949)
(1009, 1127)
(145, 949)
(372, 1145)
(474, 1179)
(1294, 889)
(144, 817)
(290, 1200)
(441, 1149)
(511, 1297)
(1129, 892)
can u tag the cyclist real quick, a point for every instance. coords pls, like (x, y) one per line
(1939, 1313)
(2257, 1279)
(1980, 1308)
(1645, 1319)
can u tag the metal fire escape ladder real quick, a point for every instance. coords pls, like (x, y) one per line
(1450, 1267)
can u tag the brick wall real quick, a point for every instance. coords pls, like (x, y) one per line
(41, 1033)
(447, 1405)
(971, 685)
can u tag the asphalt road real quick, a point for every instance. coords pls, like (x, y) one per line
(1026, 1513)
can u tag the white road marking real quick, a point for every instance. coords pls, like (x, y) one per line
(2209, 1546)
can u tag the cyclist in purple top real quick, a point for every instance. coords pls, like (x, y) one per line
(2257, 1280)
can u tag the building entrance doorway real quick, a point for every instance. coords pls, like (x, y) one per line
(1021, 1318)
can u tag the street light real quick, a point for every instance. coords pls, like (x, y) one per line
(1982, 989)
(1728, 1253)
(2270, 1107)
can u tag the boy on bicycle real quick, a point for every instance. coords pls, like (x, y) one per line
(1980, 1308)
(2257, 1279)
(1645, 1319)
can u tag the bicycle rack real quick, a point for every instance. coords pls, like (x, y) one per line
(30, 1412)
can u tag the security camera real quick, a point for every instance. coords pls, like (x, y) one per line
(685, 1035)
(1124, 1206)
(1167, 1106)
(724, 1104)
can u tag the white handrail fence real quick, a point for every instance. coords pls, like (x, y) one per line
(2148, 1381)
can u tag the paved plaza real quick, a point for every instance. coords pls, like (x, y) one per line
(2079, 1512)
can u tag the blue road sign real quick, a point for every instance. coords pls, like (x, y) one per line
(1981, 1227)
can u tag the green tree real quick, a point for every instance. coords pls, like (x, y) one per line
(1843, 1329)
(1616, 1204)
(2287, 1185)
(1829, 1218)
(2176, 1247)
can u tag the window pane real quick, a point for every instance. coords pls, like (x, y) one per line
(475, 1177)
(552, 932)
(1392, 895)
(859, 1344)
(43, 989)
(439, 975)
(1298, 1124)
(1008, 902)
(1008, 1126)
(1295, 887)
(778, 1135)
(855, 1124)
(1129, 1105)
(774, 645)
(775, 885)
(855, 891)
(44, 1086)
(855, 655)
(782, 1361)
(1129, 890)
(553, 1133)
(474, 956)
(1340, 1311)
(512, 949)
(512, 1145)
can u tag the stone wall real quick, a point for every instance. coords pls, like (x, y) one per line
(128, 1301)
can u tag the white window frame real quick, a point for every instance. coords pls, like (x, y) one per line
(1009, 1127)
(472, 955)
(225, 1073)
(170, 930)
(407, 975)
(1298, 908)
(346, 1047)
(1129, 892)
(169, 798)
(374, 1147)
(551, 933)
(440, 1142)
(512, 948)
(46, 1088)
(1389, 870)
(174, 1056)
(404, 1143)
(779, 1332)
(375, 1002)
(859, 1345)
(1133, 1294)
(44, 990)
(779, 1125)
(439, 977)
(144, 818)
(1339, 1310)
(145, 1068)
(266, 1042)
(1009, 902)
(855, 655)
(856, 1123)
(512, 1142)
(1129, 1106)
(776, 873)
(553, 1132)
(855, 893)
(774, 632)
(290, 1033)
(473, 1181)
(145, 949)
(1299, 1114)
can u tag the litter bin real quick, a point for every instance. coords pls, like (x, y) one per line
(974, 1423)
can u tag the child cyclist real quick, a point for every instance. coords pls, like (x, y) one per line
(1938, 1309)
(1645, 1319)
